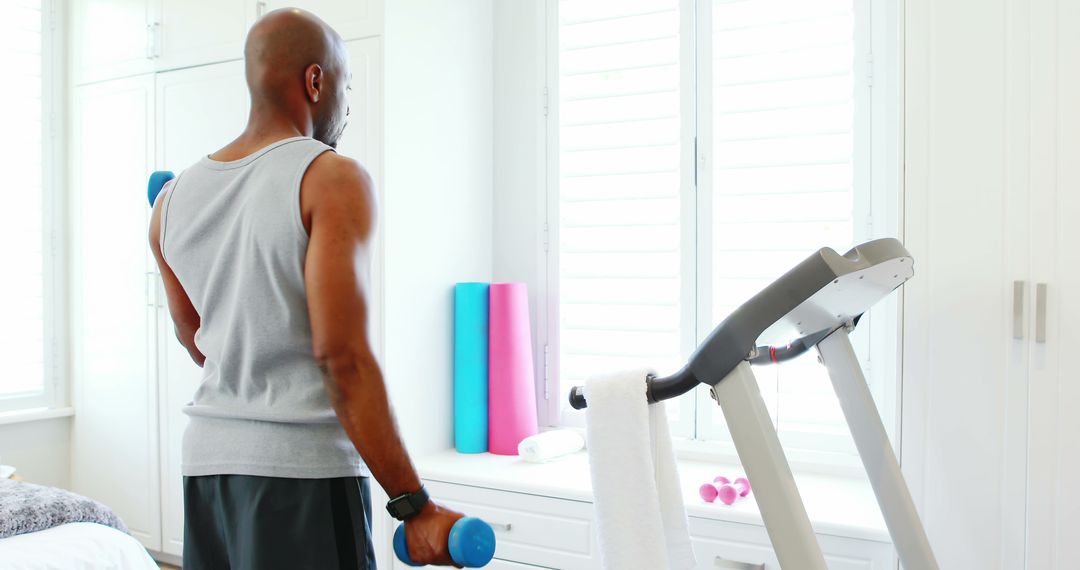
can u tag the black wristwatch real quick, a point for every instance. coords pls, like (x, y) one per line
(407, 506)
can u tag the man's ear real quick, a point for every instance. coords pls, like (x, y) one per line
(313, 77)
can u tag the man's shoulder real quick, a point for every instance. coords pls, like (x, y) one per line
(334, 181)
(337, 170)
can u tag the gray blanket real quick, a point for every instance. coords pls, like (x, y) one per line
(28, 508)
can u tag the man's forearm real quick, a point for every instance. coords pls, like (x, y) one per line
(187, 339)
(359, 397)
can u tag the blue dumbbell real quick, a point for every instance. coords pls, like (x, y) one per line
(472, 543)
(157, 182)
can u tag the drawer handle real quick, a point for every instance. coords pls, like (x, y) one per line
(505, 527)
(734, 565)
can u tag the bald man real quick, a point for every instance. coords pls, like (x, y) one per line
(264, 248)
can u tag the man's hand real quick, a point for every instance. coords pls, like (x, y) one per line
(428, 534)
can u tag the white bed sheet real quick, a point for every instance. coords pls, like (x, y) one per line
(74, 546)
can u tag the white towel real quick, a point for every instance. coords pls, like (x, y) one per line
(641, 519)
(550, 445)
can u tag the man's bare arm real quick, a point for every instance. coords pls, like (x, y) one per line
(338, 210)
(185, 318)
(341, 213)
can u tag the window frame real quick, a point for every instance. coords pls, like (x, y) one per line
(878, 212)
(53, 394)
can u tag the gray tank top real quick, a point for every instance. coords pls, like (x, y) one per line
(233, 235)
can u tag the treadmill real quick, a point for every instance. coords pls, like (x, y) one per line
(815, 304)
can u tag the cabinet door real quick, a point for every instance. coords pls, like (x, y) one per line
(199, 110)
(197, 32)
(1053, 513)
(353, 19)
(959, 412)
(110, 39)
(114, 435)
(1066, 489)
(362, 141)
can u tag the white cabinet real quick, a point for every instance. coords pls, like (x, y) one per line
(199, 110)
(196, 32)
(549, 532)
(990, 439)
(352, 19)
(110, 39)
(114, 433)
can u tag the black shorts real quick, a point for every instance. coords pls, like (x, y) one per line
(241, 522)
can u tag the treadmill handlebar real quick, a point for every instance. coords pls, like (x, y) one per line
(668, 387)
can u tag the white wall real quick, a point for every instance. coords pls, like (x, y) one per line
(520, 169)
(437, 205)
(40, 450)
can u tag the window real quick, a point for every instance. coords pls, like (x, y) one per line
(701, 149)
(25, 227)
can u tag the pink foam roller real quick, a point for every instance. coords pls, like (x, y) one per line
(708, 492)
(511, 387)
(743, 486)
(727, 494)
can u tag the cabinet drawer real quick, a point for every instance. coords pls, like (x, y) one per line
(717, 542)
(497, 564)
(541, 531)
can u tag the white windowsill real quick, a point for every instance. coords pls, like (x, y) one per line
(838, 505)
(34, 415)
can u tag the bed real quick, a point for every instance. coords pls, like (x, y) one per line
(74, 546)
(43, 528)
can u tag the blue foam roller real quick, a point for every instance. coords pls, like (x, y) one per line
(157, 181)
(471, 367)
(471, 543)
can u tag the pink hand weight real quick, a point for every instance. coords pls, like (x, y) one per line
(722, 488)
(708, 492)
(727, 494)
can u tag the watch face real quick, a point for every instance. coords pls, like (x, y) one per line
(407, 505)
(401, 508)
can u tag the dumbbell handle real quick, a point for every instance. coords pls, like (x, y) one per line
(471, 543)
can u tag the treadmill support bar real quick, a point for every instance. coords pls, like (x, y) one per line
(872, 442)
(761, 455)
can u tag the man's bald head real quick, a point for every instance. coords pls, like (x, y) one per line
(297, 64)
